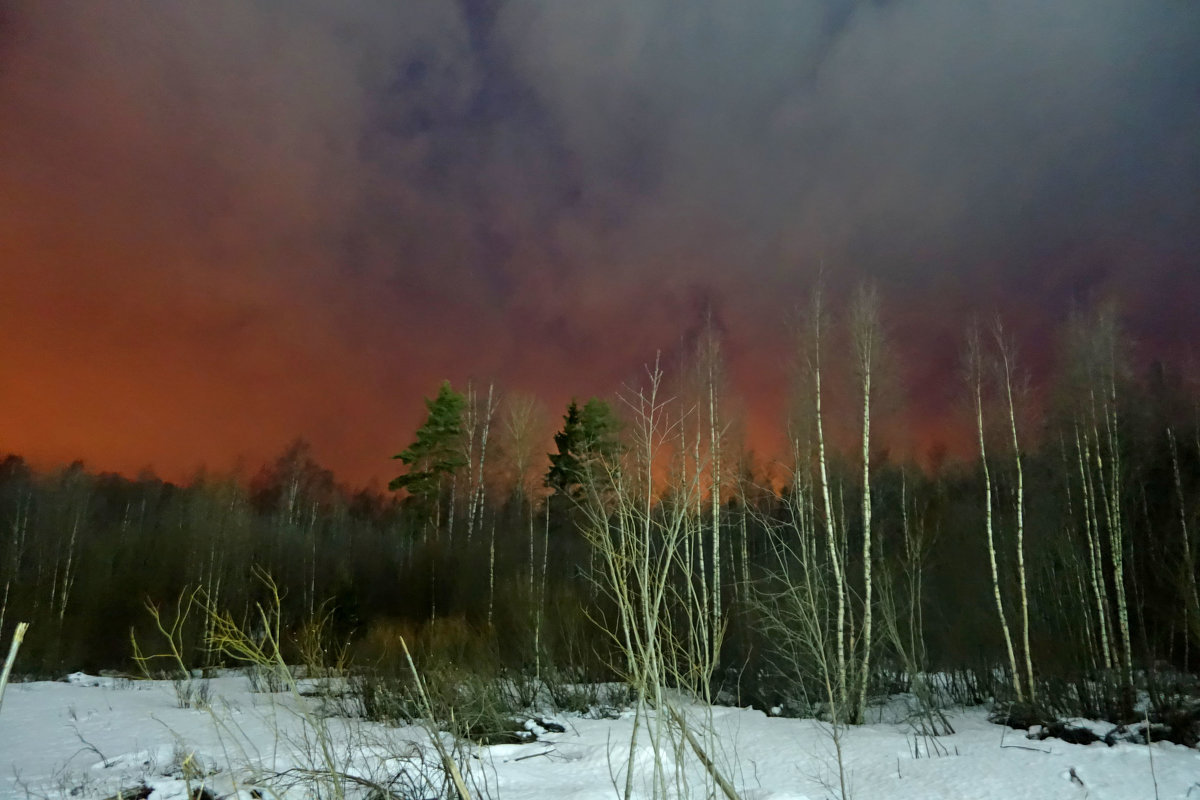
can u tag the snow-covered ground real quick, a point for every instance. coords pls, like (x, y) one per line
(90, 737)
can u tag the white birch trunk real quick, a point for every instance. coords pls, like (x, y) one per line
(470, 423)
(866, 322)
(976, 356)
(491, 573)
(69, 572)
(827, 499)
(1019, 502)
(479, 495)
(1116, 528)
(714, 447)
(1095, 549)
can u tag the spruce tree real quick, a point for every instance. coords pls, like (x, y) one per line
(588, 433)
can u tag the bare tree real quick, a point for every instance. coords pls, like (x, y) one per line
(525, 431)
(638, 533)
(794, 604)
(865, 328)
(525, 425)
(19, 531)
(745, 483)
(1188, 590)
(1094, 367)
(1095, 545)
(815, 329)
(477, 421)
(75, 495)
(481, 417)
(1006, 354)
(974, 372)
(708, 436)
(711, 360)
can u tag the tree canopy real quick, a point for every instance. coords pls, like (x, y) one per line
(588, 433)
(438, 451)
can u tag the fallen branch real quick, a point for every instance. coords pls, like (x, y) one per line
(725, 786)
(1025, 747)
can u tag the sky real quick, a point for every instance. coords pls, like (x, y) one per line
(227, 223)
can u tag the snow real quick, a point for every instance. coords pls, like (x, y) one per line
(88, 737)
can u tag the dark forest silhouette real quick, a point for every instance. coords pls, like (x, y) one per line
(499, 556)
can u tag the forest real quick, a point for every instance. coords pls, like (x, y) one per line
(1052, 573)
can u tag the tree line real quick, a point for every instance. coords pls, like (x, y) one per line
(650, 544)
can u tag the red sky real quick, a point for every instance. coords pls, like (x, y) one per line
(223, 225)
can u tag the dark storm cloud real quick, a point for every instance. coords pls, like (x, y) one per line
(1015, 156)
(314, 210)
(903, 138)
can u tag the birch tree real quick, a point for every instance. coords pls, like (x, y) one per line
(866, 334)
(523, 424)
(471, 425)
(810, 456)
(813, 352)
(477, 423)
(1095, 544)
(638, 534)
(479, 496)
(1096, 363)
(710, 428)
(975, 372)
(1006, 356)
(18, 530)
(74, 495)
